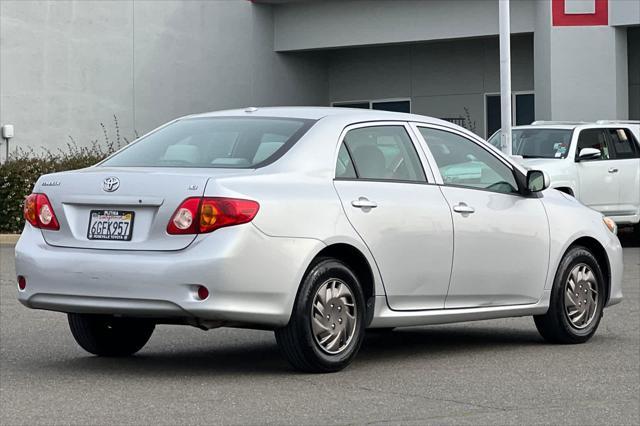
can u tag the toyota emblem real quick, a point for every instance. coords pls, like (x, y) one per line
(110, 184)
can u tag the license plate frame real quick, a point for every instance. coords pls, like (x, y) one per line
(108, 217)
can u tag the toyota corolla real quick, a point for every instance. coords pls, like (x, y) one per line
(317, 223)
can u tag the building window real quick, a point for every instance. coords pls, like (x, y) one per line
(523, 110)
(492, 108)
(361, 105)
(395, 105)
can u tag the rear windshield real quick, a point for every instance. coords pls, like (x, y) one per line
(537, 143)
(226, 142)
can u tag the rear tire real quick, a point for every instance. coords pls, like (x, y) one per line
(577, 299)
(106, 335)
(327, 326)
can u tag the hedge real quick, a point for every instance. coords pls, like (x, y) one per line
(23, 168)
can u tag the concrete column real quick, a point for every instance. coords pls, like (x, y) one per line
(580, 72)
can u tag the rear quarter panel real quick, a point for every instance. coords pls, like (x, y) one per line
(297, 197)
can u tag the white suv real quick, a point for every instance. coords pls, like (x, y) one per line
(598, 163)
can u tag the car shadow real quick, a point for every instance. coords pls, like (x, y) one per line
(628, 238)
(439, 341)
(264, 358)
(248, 359)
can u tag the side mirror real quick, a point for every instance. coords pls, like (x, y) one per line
(537, 180)
(589, 154)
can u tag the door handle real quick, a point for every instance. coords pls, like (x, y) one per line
(613, 170)
(463, 208)
(364, 203)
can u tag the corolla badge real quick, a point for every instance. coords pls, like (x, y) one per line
(110, 184)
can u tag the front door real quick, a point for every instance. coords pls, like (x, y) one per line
(626, 165)
(599, 178)
(404, 220)
(501, 238)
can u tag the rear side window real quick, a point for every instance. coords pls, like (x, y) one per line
(222, 142)
(379, 153)
(344, 165)
(623, 143)
(593, 138)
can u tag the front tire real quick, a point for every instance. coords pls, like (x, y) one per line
(106, 335)
(577, 299)
(327, 326)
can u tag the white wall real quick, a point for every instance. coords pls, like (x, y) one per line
(68, 65)
(322, 24)
(64, 68)
(591, 82)
(207, 55)
(624, 12)
(633, 55)
(440, 78)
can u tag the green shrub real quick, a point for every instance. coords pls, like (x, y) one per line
(24, 167)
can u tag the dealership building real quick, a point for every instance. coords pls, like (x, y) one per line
(66, 66)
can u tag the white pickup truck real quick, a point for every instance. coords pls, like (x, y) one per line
(598, 163)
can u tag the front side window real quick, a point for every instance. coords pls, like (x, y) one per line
(593, 138)
(623, 143)
(380, 153)
(226, 142)
(462, 162)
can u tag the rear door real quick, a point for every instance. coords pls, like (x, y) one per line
(626, 167)
(501, 238)
(599, 178)
(391, 201)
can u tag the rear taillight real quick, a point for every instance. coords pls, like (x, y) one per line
(39, 213)
(184, 220)
(201, 215)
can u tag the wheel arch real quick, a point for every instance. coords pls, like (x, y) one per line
(358, 262)
(601, 256)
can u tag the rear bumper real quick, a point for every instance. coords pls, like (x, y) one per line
(252, 278)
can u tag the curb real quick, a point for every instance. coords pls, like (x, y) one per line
(9, 239)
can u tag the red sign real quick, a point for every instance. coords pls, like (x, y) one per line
(563, 19)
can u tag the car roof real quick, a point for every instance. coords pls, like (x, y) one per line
(568, 126)
(317, 113)
(548, 126)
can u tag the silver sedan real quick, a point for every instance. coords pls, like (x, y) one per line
(318, 223)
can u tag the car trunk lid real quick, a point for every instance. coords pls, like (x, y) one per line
(147, 196)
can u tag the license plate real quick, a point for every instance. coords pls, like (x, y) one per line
(110, 225)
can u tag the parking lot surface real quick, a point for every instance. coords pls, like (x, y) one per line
(487, 372)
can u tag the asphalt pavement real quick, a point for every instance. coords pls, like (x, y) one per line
(486, 372)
